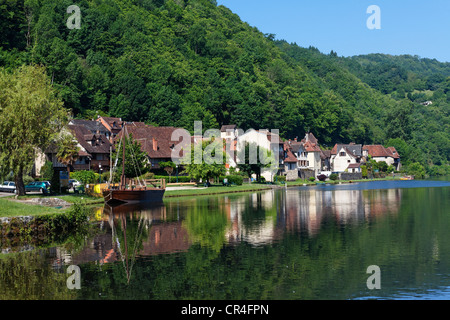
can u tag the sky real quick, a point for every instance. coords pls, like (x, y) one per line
(415, 27)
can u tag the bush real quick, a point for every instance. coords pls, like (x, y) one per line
(334, 176)
(235, 179)
(85, 176)
(312, 179)
(321, 177)
(280, 178)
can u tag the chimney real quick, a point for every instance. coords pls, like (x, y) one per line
(155, 144)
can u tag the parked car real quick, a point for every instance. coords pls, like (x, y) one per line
(37, 186)
(8, 186)
(74, 183)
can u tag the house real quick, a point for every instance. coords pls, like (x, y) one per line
(308, 154)
(93, 143)
(325, 157)
(229, 131)
(381, 153)
(354, 168)
(95, 149)
(269, 141)
(113, 125)
(155, 141)
(342, 156)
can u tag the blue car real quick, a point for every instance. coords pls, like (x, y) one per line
(38, 186)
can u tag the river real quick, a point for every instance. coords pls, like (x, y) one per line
(312, 242)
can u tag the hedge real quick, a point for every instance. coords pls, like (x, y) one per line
(233, 179)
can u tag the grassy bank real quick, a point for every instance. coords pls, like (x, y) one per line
(216, 189)
(11, 208)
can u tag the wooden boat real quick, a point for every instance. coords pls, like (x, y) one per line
(407, 178)
(133, 190)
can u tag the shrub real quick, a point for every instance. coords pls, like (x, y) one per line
(280, 178)
(312, 179)
(334, 176)
(321, 177)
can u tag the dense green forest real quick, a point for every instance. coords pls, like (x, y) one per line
(170, 62)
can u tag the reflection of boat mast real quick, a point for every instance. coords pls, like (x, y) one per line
(137, 239)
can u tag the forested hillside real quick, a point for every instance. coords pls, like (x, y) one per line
(170, 62)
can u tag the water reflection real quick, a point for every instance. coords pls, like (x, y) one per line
(262, 218)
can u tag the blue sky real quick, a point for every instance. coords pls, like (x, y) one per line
(407, 26)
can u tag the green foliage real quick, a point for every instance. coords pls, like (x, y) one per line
(334, 176)
(364, 171)
(201, 169)
(417, 170)
(170, 63)
(47, 171)
(84, 176)
(233, 179)
(30, 115)
(136, 160)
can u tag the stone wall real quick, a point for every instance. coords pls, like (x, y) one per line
(291, 175)
(350, 175)
(306, 174)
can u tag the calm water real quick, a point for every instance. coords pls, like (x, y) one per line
(295, 243)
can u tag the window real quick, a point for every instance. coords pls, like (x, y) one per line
(342, 154)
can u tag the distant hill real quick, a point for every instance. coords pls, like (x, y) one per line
(170, 62)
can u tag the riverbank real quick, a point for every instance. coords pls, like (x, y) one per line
(28, 206)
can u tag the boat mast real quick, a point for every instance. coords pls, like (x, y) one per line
(123, 157)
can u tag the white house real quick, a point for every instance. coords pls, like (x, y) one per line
(341, 160)
(267, 140)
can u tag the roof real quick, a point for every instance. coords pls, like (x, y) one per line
(155, 141)
(226, 127)
(92, 143)
(325, 154)
(92, 126)
(354, 165)
(311, 147)
(310, 137)
(290, 157)
(380, 151)
(355, 149)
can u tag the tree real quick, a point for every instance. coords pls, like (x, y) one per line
(264, 159)
(136, 160)
(416, 169)
(201, 169)
(31, 115)
(168, 166)
(68, 150)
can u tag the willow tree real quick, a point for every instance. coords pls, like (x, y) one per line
(31, 114)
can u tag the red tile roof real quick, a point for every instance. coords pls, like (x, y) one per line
(380, 151)
(155, 141)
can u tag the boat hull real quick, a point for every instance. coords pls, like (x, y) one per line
(133, 196)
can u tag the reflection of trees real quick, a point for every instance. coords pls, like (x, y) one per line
(206, 223)
(28, 275)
